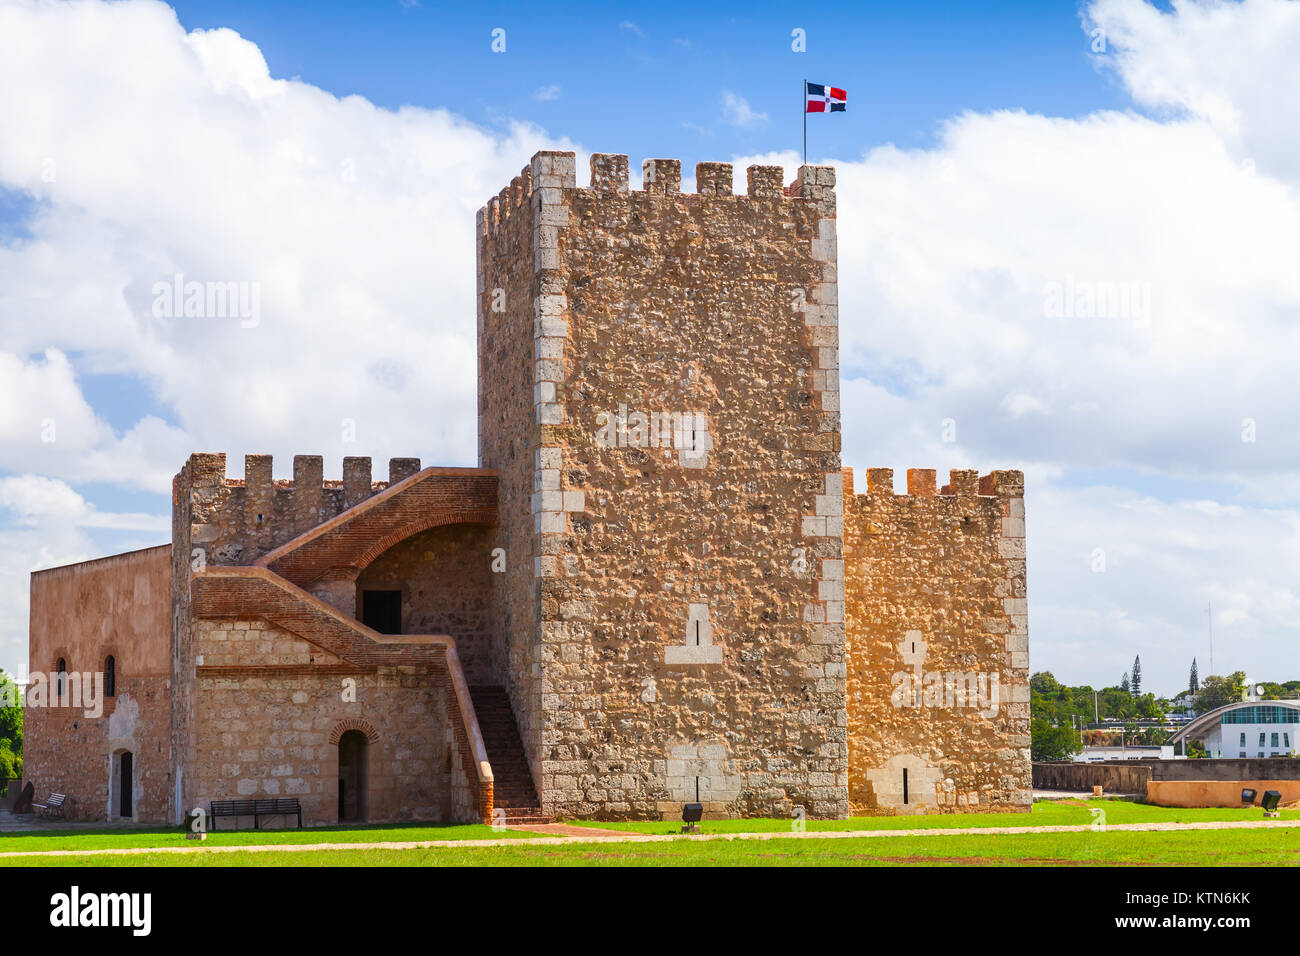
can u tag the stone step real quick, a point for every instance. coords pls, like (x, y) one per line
(513, 788)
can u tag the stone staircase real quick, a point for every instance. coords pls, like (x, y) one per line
(234, 592)
(512, 788)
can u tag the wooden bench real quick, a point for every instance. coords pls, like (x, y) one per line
(53, 807)
(274, 807)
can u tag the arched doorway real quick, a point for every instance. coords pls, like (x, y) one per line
(353, 781)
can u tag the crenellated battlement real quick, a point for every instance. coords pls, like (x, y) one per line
(308, 472)
(922, 482)
(237, 520)
(553, 170)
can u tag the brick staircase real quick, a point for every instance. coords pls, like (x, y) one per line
(512, 789)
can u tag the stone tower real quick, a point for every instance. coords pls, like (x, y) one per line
(659, 394)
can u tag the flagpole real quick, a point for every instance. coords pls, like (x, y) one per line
(804, 101)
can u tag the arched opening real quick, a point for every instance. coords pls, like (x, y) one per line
(110, 676)
(439, 581)
(353, 781)
(121, 787)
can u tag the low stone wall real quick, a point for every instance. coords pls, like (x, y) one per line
(1228, 769)
(1216, 793)
(1218, 780)
(1129, 776)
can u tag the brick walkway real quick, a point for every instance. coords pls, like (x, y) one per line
(656, 838)
(565, 829)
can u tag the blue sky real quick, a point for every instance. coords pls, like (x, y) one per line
(615, 79)
(989, 154)
(645, 80)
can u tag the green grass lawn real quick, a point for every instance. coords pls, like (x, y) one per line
(1044, 813)
(1263, 847)
(1231, 847)
(109, 838)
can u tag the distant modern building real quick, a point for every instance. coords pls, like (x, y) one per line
(1131, 752)
(1248, 728)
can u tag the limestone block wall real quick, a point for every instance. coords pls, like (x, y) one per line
(269, 711)
(938, 643)
(510, 350)
(84, 613)
(669, 403)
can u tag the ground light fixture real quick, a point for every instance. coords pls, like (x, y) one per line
(692, 813)
(1247, 796)
(1271, 799)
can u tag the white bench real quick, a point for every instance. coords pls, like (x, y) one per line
(53, 807)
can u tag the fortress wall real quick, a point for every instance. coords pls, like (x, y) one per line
(84, 613)
(269, 707)
(508, 353)
(217, 520)
(935, 588)
(689, 586)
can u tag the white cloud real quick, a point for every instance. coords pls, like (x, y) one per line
(1164, 563)
(949, 261)
(1230, 64)
(44, 523)
(153, 152)
(357, 223)
(35, 500)
(736, 111)
(46, 425)
(546, 94)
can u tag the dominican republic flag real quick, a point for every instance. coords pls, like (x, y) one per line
(825, 99)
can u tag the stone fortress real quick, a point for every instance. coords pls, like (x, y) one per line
(659, 585)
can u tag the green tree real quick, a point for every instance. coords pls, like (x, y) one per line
(1193, 682)
(1045, 684)
(1124, 685)
(1148, 707)
(11, 728)
(1217, 691)
(1052, 741)
(11, 764)
(1136, 682)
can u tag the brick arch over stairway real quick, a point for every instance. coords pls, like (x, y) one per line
(342, 547)
(381, 545)
(354, 723)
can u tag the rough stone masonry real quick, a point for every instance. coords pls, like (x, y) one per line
(684, 617)
(658, 586)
